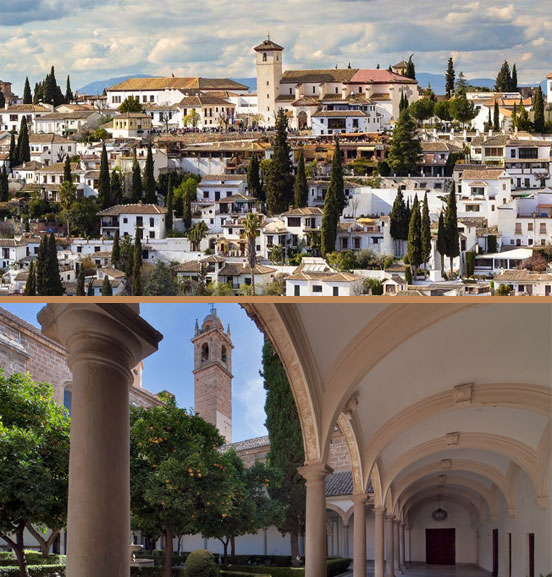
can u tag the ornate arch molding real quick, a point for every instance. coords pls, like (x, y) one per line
(348, 426)
(389, 329)
(533, 398)
(375, 476)
(544, 456)
(342, 514)
(520, 453)
(282, 325)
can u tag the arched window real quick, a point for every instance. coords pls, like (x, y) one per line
(264, 56)
(223, 354)
(204, 352)
(67, 399)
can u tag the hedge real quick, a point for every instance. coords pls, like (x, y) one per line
(337, 566)
(271, 560)
(8, 559)
(35, 571)
(154, 571)
(334, 567)
(240, 574)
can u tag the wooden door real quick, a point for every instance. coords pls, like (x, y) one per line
(531, 555)
(441, 546)
(495, 552)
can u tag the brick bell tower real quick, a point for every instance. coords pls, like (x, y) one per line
(213, 373)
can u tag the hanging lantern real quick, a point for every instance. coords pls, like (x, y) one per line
(439, 514)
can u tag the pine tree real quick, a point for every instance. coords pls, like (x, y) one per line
(504, 78)
(279, 185)
(136, 186)
(514, 81)
(426, 232)
(107, 290)
(538, 111)
(80, 282)
(496, 117)
(67, 174)
(451, 228)
(13, 155)
(411, 68)
(336, 178)
(169, 201)
(253, 178)
(330, 220)
(116, 251)
(27, 96)
(68, 92)
(104, 183)
(450, 78)
(30, 285)
(149, 179)
(301, 187)
(405, 148)
(414, 251)
(399, 222)
(137, 265)
(23, 148)
(442, 241)
(42, 257)
(4, 185)
(116, 188)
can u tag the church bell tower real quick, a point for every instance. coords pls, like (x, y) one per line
(213, 373)
(269, 74)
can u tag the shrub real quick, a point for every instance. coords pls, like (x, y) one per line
(337, 566)
(8, 559)
(272, 571)
(201, 563)
(408, 275)
(35, 571)
(470, 263)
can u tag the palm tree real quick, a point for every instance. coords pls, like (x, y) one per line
(196, 234)
(251, 229)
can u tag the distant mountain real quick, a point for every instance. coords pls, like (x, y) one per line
(99, 86)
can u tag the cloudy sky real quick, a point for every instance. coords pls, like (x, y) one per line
(170, 368)
(99, 39)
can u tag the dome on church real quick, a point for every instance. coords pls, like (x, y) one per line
(212, 321)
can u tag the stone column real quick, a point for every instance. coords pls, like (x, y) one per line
(396, 542)
(345, 540)
(104, 343)
(402, 557)
(359, 527)
(389, 560)
(378, 541)
(315, 518)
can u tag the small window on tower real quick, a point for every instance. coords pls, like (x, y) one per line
(264, 56)
(205, 352)
(223, 354)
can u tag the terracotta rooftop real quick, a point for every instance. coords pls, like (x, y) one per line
(379, 76)
(133, 209)
(195, 82)
(268, 44)
(318, 76)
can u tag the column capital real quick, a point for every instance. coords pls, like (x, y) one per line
(359, 498)
(315, 472)
(379, 511)
(390, 517)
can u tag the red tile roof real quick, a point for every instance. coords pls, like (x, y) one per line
(377, 76)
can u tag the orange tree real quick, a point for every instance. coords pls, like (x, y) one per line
(176, 471)
(34, 463)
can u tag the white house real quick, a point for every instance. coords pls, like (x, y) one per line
(10, 117)
(126, 218)
(525, 282)
(365, 234)
(326, 122)
(64, 123)
(130, 125)
(51, 148)
(527, 221)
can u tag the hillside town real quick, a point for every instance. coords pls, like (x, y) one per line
(329, 182)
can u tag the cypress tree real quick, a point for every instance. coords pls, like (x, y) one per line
(489, 121)
(496, 117)
(514, 82)
(411, 68)
(4, 185)
(68, 92)
(149, 179)
(30, 285)
(67, 174)
(38, 95)
(514, 116)
(451, 228)
(80, 282)
(504, 78)
(2, 100)
(450, 78)
(286, 452)
(107, 290)
(301, 187)
(116, 187)
(136, 186)
(104, 184)
(336, 178)
(27, 96)
(538, 111)
(253, 178)
(330, 219)
(169, 218)
(414, 251)
(442, 241)
(90, 288)
(41, 265)
(23, 148)
(523, 123)
(399, 222)
(116, 251)
(426, 232)
(52, 281)
(137, 265)
(13, 156)
(279, 185)
(403, 104)
(405, 148)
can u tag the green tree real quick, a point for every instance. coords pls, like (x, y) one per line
(301, 187)
(426, 232)
(127, 254)
(131, 104)
(442, 110)
(137, 264)
(80, 282)
(52, 281)
(451, 228)
(254, 178)
(23, 147)
(399, 222)
(67, 174)
(405, 148)
(330, 220)
(410, 68)
(462, 109)
(30, 285)
(442, 241)
(100, 134)
(403, 104)
(196, 234)
(503, 290)
(538, 111)
(68, 92)
(185, 194)
(286, 452)
(34, 462)
(496, 117)
(336, 178)
(4, 185)
(422, 109)
(177, 472)
(161, 282)
(149, 179)
(13, 153)
(415, 250)
(107, 289)
(104, 182)
(279, 179)
(169, 204)
(514, 82)
(2, 100)
(116, 251)
(136, 190)
(41, 259)
(27, 96)
(90, 288)
(116, 187)
(83, 215)
(504, 78)
(514, 116)
(461, 85)
(450, 78)
(67, 198)
(523, 122)
(251, 227)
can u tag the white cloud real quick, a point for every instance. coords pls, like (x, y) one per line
(249, 401)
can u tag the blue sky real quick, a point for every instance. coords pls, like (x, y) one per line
(100, 39)
(171, 366)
